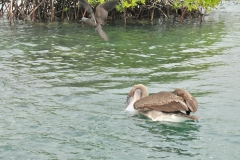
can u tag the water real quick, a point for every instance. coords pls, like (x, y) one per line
(63, 89)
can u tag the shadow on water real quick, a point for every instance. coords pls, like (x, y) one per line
(170, 128)
(168, 138)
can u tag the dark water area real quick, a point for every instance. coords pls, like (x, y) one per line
(63, 89)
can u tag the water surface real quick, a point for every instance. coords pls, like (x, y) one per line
(63, 89)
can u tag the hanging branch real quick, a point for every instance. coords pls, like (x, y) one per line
(34, 10)
(10, 13)
(52, 9)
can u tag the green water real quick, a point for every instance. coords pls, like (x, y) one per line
(63, 89)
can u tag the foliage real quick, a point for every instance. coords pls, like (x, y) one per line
(123, 3)
(95, 2)
(194, 4)
(129, 4)
(66, 9)
(189, 4)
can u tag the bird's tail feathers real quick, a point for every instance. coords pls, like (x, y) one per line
(101, 32)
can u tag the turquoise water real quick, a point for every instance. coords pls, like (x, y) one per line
(63, 89)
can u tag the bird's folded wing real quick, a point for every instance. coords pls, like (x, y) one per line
(162, 101)
(188, 98)
(192, 104)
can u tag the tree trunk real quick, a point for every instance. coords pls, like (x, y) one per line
(11, 13)
(52, 9)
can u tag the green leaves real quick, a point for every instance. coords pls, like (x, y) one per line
(129, 4)
(66, 9)
(194, 4)
(190, 5)
(124, 4)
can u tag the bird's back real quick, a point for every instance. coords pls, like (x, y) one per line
(162, 101)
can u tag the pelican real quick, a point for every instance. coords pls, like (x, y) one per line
(162, 106)
(100, 17)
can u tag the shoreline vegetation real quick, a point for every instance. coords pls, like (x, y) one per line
(52, 10)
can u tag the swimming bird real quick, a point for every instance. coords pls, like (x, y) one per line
(162, 106)
(100, 17)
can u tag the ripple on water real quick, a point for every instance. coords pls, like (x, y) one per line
(62, 48)
(39, 52)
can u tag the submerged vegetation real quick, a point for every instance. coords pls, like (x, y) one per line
(39, 10)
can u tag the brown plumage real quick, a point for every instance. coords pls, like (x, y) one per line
(167, 102)
(100, 17)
